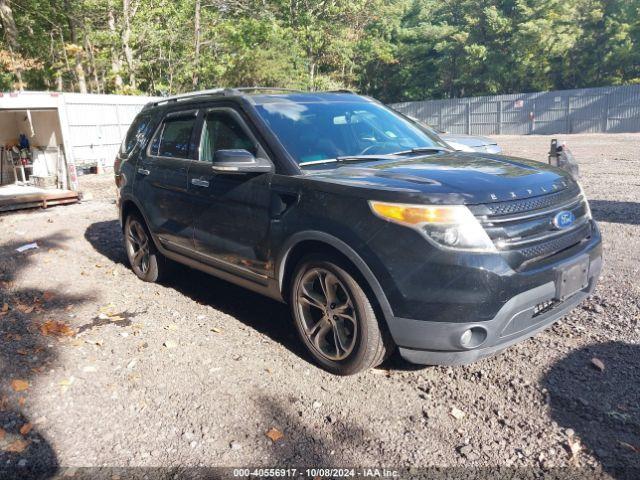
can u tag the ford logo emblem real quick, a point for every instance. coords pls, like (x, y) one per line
(564, 219)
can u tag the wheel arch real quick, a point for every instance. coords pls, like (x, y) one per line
(130, 205)
(304, 243)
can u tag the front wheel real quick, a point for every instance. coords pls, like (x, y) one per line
(335, 318)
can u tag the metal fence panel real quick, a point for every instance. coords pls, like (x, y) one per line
(588, 110)
(97, 124)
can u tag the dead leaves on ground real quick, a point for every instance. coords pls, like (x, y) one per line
(628, 446)
(597, 363)
(23, 308)
(274, 434)
(12, 336)
(109, 312)
(28, 308)
(53, 328)
(25, 429)
(5, 403)
(19, 385)
(112, 271)
(17, 446)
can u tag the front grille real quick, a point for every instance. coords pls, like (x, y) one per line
(524, 231)
(556, 245)
(534, 203)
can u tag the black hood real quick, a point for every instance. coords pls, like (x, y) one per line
(454, 177)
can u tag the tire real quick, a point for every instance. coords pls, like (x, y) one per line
(334, 317)
(151, 266)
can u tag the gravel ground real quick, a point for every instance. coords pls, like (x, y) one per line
(196, 371)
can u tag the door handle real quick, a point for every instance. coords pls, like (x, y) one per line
(198, 182)
(143, 171)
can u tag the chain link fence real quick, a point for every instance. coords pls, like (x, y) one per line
(588, 110)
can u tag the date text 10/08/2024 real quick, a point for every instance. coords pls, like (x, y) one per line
(316, 472)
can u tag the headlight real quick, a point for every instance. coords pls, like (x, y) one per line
(448, 226)
(586, 202)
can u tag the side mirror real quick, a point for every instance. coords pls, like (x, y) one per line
(239, 161)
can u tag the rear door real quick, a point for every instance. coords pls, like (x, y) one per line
(163, 171)
(232, 219)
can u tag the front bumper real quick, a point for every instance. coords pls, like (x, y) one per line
(524, 315)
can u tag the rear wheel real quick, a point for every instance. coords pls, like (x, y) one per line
(145, 259)
(335, 318)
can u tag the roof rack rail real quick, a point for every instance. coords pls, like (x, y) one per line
(184, 96)
(266, 89)
(217, 91)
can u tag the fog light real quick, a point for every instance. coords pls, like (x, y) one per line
(465, 338)
(451, 237)
(473, 337)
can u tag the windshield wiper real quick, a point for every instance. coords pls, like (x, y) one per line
(358, 158)
(345, 158)
(382, 156)
(317, 162)
(423, 150)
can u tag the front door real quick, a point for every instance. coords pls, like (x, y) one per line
(232, 219)
(163, 173)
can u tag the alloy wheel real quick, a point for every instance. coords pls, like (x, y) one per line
(138, 247)
(327, 314)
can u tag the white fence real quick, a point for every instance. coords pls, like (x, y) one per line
(96, 125)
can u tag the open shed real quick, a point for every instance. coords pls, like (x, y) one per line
(46, 137)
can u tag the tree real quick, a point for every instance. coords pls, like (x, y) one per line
(392, 49)
(11, 38)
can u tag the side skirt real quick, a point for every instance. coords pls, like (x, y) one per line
(264, 286)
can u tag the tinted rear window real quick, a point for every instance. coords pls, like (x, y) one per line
(174, 137)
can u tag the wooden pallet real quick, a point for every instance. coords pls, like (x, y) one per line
(43, 199)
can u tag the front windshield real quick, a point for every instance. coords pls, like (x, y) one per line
(316, 131)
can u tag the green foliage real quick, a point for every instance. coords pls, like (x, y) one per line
(391, 49)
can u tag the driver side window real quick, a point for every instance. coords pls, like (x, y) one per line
(221, 131)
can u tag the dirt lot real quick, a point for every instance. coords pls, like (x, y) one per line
(195, 372)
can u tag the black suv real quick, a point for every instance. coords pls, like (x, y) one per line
(369, 226)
